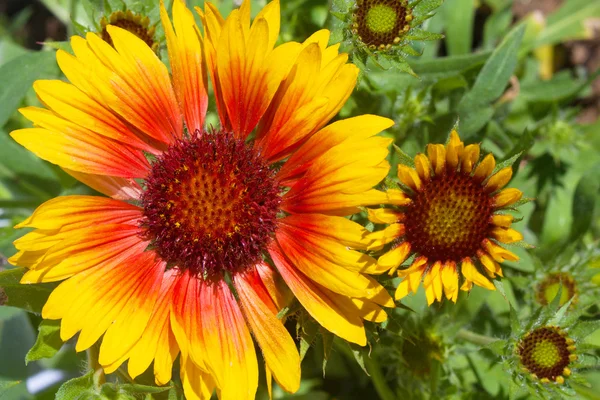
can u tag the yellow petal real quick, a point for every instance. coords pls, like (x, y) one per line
(485, 168)
(422, 166)
(498, 180)
(507, 197)
(437, 157)
(469, 271)
(409, 177)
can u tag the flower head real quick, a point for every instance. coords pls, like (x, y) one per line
(206, 233)
(449, 215)
(546, 352)
(135, 23)
(381, 23)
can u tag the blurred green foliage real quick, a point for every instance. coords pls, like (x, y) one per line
(485, 74)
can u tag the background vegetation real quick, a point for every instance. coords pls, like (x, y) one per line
(520, 77)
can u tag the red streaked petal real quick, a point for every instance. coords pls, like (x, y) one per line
(278, 347)
(187, 64)
(117, 300)
(322, 304)
(65, 211)
(117, 188)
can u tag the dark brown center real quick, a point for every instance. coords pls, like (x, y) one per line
(544, 352)
(448, 218)
(211, 204)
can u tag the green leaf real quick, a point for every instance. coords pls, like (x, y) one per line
(307, 330)
(474, 108)
(48, 342)
(80, 388)
(523, 144)
(29, 297)
(327, 345)
(584, 202)
(359, 354)
(459, 25)
(17, 77)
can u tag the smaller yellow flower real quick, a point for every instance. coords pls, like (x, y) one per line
(380, 24)
(546, 354)
(448, 214)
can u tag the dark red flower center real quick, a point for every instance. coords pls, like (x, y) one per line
(211, 204)
(448, 218)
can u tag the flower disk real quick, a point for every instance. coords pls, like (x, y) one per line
(210, 204)
(448, 218)
(546, 353)
(381, 23)
(131, 22)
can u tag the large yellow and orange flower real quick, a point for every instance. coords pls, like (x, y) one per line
(449, 213)
(205, 231)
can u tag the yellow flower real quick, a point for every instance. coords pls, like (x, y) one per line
(449, 216)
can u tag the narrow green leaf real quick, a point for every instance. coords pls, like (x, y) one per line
(490, 83)
(327, 345)
(48, 342)
(17, 77)
(584, 202)
(359, 354)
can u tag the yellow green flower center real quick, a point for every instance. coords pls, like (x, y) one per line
(381, 18)
(381, 23)
(549, 287)
(545, 352)
(448, 218)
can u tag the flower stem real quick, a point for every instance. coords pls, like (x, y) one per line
(475, 338)
(92, 358)
(381, 386)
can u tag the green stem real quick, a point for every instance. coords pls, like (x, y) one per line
(92, 358)
(381, 386)
(475, 338)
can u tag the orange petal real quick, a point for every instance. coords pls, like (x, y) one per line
(332, 311)
(187, 64)
(278, 347)
(197, 383)
(118, 188)
(70, 146)
(356, 128)
(117, 300)
(65, 211)
(385, 215)
(392, 259)
(280, 293)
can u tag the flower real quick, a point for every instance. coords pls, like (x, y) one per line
(547, 352)
(205, 231)
(134, 23)
(448, 213)
(380, 24)
(549, 287)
